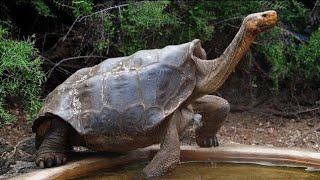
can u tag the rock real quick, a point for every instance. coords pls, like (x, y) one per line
(14, 168)
(3, 166)
(21, 166)
(260, 130)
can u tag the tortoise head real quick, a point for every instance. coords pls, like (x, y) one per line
(258, 22)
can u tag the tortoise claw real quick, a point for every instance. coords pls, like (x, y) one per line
(41, 164)
(64, 160)
(58, 161)
(47, 160)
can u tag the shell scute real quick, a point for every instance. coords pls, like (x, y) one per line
(121, 90)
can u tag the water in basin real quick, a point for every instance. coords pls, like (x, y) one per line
(217, 171)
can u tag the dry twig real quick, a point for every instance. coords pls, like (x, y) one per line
(15, 148)
(80, 18)
(272, 111)
(306, 133)
(72, 58)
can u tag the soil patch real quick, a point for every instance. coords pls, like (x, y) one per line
(261, 129)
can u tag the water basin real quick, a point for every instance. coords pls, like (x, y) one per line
(207, 170)
(223, 162)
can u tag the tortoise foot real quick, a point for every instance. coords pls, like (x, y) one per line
(205, 137)
(46, 160)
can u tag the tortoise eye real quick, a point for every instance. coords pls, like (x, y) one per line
(264, 15)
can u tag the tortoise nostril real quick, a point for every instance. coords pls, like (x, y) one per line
(264, 15)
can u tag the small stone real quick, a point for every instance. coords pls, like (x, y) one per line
(260, 130)
(310, 124)
(268, 124)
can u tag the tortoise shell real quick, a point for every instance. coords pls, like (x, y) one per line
(126, 95)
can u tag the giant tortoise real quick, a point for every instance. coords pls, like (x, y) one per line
(135, 101)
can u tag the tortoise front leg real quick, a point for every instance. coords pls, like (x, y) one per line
(169, 154)
(214, 110)
(52, 151)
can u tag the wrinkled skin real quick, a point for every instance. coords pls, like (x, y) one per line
(193, 77)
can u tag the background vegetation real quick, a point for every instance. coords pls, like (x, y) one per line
(42, 42)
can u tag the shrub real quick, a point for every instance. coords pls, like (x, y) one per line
(143, 25)
(20, 75)
(307, 57)
(154, 24)
(74, 7)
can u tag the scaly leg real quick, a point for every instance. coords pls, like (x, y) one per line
(52, 151)
(214, 110)
(169, 154)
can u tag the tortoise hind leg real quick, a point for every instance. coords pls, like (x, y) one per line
(214, 110)
(169, 154)
(52, 151)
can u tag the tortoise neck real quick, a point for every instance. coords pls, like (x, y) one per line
(231, 56)
(218, 70)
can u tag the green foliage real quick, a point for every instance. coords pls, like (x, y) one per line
(307, 57)
(143, 25)
(293, 60)
(3, 32)
(276, 56)
(197, 23)
(20, 76)
(109, 33)
(154, 24)
(42, 8)
(81, 7)
(228, 9)
(74, 7)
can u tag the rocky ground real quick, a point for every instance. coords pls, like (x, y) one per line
(253, 128)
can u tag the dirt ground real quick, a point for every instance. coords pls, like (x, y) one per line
(252, 128)
(260, 129)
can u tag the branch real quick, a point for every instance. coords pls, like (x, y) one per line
(298, 36)
(53, 64)
(80, 18)
(107, 9)
(315, 13)
(63, 66)
(229, 19)
(71, 27)
(15, 148)
(272, 111)
(73, 58)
